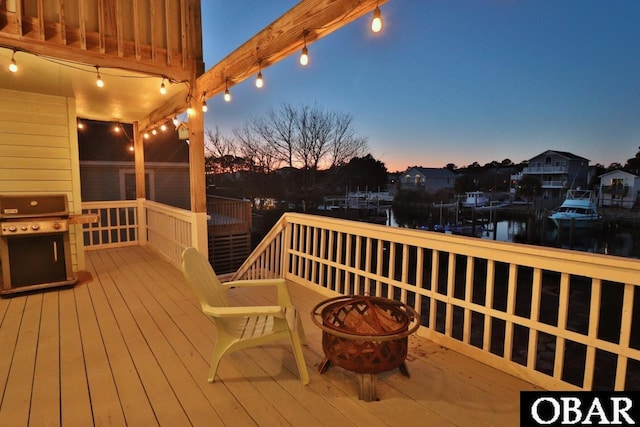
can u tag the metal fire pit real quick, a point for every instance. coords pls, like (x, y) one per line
(365, 334)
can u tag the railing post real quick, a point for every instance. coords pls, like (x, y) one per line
(199, 233)
(143, 227)
(285, 246)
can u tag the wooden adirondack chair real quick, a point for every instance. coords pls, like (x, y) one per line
(243, 327)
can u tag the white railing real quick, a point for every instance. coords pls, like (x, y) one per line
(558, 318)
(166, 229)
(545, 169)
(117, 224)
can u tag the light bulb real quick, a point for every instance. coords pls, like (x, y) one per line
(163, 88)
(175, 121)
(259, 81)
(204, 107)
(131, 148)
(304, 58)
(116, 129)
(163, 127)
(227, 95)
(146, 135)
(99, 81)
(80, 125)
(154, 132)
(376, 23)
(13, 67)
(190, 111)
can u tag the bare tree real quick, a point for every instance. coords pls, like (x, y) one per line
(307, 137)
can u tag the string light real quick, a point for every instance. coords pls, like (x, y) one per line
(190, 111)
(227, 94)
(131, 148)
(80, 125)
(146, 135)
(304, 57)
(376, 22)
(99, 81)
(163, 88)
(175, 120)
(154, 132)
(259, 82)
(204, 106)
(116, 128)
(13, 67)
(163, 127)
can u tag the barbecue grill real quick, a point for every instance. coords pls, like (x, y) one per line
(34, 242)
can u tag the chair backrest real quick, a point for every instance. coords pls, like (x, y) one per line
(203, 280)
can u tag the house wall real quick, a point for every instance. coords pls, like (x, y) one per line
(39, 152)
(625, 197)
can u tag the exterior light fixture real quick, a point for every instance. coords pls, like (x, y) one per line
(163, 88)
(175, 120)
(99, 81)
(13, 67)
(154, 132)
(204, 106)
(259, 81)
(376, 22)
(80, 125)
(146, 135)
(190, 111)
(227, 94)
(304, 57)
(163, 127)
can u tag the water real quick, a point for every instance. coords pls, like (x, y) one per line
(618, 242)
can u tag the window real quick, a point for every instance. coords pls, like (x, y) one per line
(128, 185)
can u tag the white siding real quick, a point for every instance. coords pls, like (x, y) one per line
(38, 150)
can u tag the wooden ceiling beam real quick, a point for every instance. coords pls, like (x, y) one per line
(309, 19)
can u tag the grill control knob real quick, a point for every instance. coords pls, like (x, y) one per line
(23, 227)
(12, 228)
(35, 226)
(56, 225)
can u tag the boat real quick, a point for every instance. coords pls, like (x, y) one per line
(475, 199)
(579, 210)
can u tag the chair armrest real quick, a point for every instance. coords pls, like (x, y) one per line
(284, 299)
(257, 310)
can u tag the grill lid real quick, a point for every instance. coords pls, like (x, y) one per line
(33, 205)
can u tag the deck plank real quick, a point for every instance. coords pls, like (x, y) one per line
(134, 349)
(75, 401)
(16, 404)
(46, 381)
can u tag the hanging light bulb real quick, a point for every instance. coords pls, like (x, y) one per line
(190, 111)
(99, 81)
(80, 125)
(304, 57)
(259, 82)
(175, 120)
(204, 106)
(146, 135)
(131, 148)
(163, 88)
(376, 22)
(154, 132)
(13, 67)
(163, 127)
(116, 128)
(227, 95)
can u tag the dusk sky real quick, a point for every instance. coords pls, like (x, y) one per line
(455, 81)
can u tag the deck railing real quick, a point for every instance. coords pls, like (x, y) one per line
(229, 216)
(558, 318)
(167, 229)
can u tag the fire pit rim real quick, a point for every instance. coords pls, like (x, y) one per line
(316, 317)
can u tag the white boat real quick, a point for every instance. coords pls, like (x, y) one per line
(475, 199)
(579, 208)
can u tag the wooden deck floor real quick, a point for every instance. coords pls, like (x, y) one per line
(131, 347)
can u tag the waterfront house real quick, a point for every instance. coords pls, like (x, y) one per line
(429, 180)
(129, 344)
(619, 189)
(558, 171)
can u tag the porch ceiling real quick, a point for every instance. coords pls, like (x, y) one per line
(126, 96)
